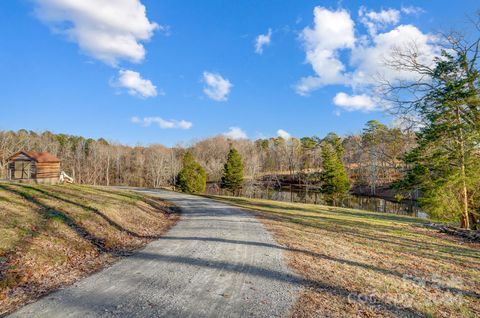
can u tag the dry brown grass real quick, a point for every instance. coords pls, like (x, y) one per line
(51, 236)
(365, 264)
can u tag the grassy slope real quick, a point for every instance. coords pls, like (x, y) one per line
(367, 264)
(52, 235)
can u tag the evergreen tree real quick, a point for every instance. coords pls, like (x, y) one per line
(334, 179)
(309, 143)
(192, 178)
(446, 162)
(336, 142)
(232, 178)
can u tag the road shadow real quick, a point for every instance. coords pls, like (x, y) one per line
(93, 210)
(432, 284)
(352, 228)
(49, 212)
(281, 277)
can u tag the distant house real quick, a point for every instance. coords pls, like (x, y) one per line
(31, 166)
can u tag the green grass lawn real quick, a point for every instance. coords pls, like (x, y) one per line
(53, 235)
(369, 264)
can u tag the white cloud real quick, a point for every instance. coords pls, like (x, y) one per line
(262, 40)
(162, 123)
(370, 60)
(412, 10)
(135, 84)
(308, 84)
(235, 133)
(283, 134)
(364, 59)
(106, 30)
(355, 102)
(375, 21)
(332, 31)
(217, 87)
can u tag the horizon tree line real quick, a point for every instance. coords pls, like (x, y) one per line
(100, 162)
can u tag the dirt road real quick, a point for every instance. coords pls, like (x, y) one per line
(218, 261)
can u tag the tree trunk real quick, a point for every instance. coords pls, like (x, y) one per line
(107, 173)
(464, 191)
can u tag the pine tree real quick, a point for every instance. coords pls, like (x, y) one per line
(446, 162)
(336, 142)
(334, 179)
(232, 178)
(192, 178)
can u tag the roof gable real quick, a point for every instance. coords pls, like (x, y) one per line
(35, 156)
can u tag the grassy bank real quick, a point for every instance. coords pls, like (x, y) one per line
(366, 264)
(51, 236)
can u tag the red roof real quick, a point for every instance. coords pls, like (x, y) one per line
(37, 156)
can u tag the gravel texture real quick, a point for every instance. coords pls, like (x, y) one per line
(218, 261)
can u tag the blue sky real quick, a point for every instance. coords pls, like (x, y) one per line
(199, 73)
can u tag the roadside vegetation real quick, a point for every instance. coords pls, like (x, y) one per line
(232, 178)
(51, 236)
(192, 178)
(367, 264)
(445, 164)
(333, 178)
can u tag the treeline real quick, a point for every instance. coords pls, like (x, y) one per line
(97, 162)
(372, 158)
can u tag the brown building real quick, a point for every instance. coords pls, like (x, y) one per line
(31, 166)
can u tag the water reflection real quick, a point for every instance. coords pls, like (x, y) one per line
(303, 195)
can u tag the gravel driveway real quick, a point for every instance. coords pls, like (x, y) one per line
(218, 261)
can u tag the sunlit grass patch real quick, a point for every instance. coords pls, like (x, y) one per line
(370, 264)
(51, 235)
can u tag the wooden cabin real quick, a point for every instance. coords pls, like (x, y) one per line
(32, 166)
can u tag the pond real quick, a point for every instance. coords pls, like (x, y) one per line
(304, 195)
